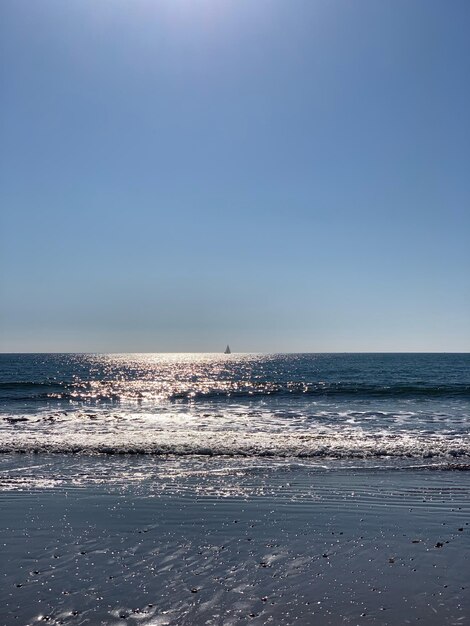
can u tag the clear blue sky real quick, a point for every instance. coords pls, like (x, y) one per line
(279, 175)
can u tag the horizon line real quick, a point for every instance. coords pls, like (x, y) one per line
(245, 353)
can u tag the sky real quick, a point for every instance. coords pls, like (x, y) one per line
(176, 175)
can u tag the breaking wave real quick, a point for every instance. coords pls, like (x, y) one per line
(351, 445)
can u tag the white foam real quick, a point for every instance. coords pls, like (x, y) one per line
(349, 444)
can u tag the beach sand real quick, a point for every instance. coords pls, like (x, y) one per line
(115, 540)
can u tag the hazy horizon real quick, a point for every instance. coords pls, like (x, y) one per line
(284, 177)
(234, 352)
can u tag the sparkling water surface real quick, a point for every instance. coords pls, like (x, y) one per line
(339, 406)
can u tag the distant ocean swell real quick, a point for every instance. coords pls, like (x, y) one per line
(112, 392)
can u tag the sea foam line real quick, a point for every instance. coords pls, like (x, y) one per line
(235, 443)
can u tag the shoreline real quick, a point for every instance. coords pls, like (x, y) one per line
(190, 541)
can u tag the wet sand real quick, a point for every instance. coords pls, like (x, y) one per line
(87, 540)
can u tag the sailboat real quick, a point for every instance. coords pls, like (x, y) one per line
(227, 350)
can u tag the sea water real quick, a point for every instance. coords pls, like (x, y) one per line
(212, 489)
(309, 406)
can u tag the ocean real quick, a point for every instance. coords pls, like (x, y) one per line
(210, 489)
(323, 406)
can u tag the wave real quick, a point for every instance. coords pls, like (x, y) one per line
(29, 385)
(244, 444)
(112, 391)
(328, 389)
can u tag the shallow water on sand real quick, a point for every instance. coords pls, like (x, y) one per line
(187, 542)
